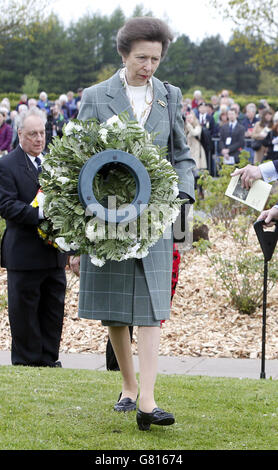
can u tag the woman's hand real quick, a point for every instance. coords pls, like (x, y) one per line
(249, 174)
(269, 216)
(74, 264)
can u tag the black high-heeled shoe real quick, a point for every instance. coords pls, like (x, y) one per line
(157, 416)
(126, 404)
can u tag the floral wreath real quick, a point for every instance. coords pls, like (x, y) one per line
(66, 223)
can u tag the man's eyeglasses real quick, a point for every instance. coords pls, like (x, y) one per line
(34, 134)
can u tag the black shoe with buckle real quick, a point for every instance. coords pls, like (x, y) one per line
(126, 404)
(157, 416)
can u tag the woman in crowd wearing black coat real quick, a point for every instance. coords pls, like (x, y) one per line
(271, 142)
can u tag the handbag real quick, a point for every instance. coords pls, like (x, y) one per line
(166, 84)
(179, 227)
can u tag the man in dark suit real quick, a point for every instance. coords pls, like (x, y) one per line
(208, 130)
(231, 139)
(205, 119)
(35, 270)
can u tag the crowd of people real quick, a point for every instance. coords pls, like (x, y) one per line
(207, 126)
(57, 113)
(220, 128)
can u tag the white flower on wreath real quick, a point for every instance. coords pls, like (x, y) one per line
(97, 261)
(103, 135)
(95, 230)
(173, 215)
(57, 172)
(46, 166)
(122, 234)
(63, 179)
(74, 246)
(41, 199)
(175, 191)
(115, 120)
(70, 127)
(60, 241)
(131, 252)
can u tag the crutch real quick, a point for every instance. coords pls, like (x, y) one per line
(267, 240)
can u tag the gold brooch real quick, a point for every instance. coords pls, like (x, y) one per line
(161, 103)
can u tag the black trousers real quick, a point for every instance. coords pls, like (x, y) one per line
(36, 311)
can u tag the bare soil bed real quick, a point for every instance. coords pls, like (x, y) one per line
(202, 323)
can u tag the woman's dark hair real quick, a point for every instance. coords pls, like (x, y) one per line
(263, 122)
(143, 28)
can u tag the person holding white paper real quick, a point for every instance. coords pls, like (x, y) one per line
(267, 171)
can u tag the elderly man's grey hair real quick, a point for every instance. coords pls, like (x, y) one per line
(4, 111)
(251, 107)
(43, 95)
(31, 112)
(197, 94)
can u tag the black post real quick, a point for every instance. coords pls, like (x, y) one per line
(262, 375)
(268, 241)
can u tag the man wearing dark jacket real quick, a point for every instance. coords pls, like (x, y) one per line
(208, 130)
(231, 139)
(35, 270)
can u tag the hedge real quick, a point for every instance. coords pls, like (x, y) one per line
(15, 98)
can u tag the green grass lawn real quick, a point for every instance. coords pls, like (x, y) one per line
(62, 409)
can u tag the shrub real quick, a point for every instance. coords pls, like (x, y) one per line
(219, 207)
(31, 85)
(241, 267)
(2, 227)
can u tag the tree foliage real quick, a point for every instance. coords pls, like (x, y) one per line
(268, 84)
(255, 27)
(31, 85)
(19, 17)
(65, 58)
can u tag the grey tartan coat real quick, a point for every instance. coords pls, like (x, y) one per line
(103, 300)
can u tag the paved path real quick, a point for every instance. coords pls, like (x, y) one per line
(213, 367)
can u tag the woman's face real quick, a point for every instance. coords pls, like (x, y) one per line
(142, 62)
(2, 119)
(268, 117)
(189, 118)
(224, 117)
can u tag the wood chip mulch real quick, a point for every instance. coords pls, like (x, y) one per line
(202, 323)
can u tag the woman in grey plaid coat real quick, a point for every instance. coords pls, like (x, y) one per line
(137, 292)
